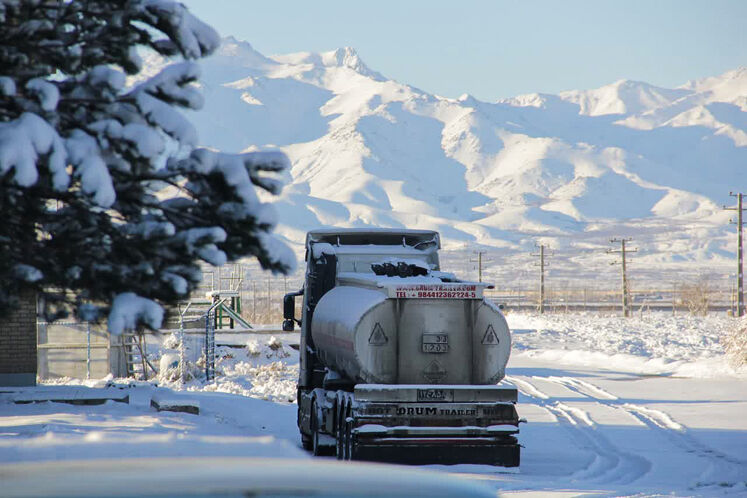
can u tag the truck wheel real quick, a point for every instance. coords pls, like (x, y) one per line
(306, 442)
(348, 441)
(316, 433)
(347, 435)
(315, 448)
(340, 431)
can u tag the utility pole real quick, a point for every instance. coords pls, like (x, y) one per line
(623, 252)
(269, 306)
(740, 255)
(254, 300)
(479, 264)
(542, 266)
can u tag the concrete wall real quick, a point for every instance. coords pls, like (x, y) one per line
(18, 343)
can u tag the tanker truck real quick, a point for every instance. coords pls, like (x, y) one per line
(399, 361)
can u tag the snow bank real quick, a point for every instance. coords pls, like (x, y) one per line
(654, 344)
(266, 368)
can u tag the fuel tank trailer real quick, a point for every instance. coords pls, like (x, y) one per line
(400, 362)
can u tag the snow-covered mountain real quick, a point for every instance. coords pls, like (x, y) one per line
(570, 170)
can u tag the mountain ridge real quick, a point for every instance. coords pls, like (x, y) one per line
(568, 169)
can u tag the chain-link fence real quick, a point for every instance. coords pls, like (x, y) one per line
(72, 349)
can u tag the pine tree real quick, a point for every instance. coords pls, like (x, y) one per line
(107, 207)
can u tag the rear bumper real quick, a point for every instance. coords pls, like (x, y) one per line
(502, 451)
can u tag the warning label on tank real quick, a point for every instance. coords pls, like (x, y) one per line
(436, 291)
(490, 338)
(377, 337)
(434, 372)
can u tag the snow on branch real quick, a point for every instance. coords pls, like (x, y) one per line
(172, 84)
(266, 161)
(27, 273)
(150, 229)
(240, 170)
(23, 141)
(161, 115)
(278, 252)
(100, 81)
(230, 166)
(128, 310)
(46, 92)
(85, 156)
(201, 242)
(7, 86)
(192, 37)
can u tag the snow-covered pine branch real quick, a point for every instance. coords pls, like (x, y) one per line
(82, 157)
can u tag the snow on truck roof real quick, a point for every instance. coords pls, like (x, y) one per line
(373, 236)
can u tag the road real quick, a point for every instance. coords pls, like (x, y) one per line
(606, 432)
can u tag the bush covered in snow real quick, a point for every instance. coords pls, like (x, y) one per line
(272, 348)
(735, 343)
(103, 190)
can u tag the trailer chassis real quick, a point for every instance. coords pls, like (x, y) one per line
(416, 424)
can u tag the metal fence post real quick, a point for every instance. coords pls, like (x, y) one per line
(88, 350)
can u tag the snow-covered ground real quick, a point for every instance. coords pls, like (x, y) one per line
(643, 406)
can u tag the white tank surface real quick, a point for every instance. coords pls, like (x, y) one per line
(416, 330)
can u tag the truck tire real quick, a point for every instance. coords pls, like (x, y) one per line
(316, 448)
(340, 429)
(347, 439)
(306, 442)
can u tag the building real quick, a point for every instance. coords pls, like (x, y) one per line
(18, 343)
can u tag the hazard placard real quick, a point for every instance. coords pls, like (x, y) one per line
(377, 337)
(490, 338)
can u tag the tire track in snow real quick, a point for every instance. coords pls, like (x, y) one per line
(610, 464)
(526, 388)
(664, 424)
(661, 421)
(581, 387)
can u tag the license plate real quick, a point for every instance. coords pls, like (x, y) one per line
(435, 343)
(431, 395)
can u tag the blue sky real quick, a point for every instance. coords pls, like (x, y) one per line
(494, 49)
